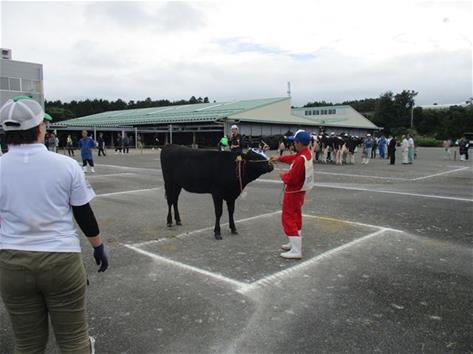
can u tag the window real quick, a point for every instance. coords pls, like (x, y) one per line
(14, 84)
(317, 112)
(26, 85)
(4, 83)
(37, 86)
(306, 113)
(310, 113)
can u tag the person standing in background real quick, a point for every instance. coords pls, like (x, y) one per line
(101, 144)
(69, 145)
(126, 144)
(392, 150)
(410, 149)
(86, 145)
(405, 150)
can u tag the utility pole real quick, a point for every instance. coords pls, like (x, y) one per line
(289, 88)
(412, 116)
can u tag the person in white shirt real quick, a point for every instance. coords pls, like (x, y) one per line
(41, 269)
(405, 150)
(410, 149)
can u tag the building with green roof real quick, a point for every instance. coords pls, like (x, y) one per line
(205, 123)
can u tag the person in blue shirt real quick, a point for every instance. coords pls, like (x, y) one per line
(382, 146)
(86, 145)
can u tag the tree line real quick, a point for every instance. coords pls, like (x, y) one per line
(74, 109)
(391, 111)
(394, 111)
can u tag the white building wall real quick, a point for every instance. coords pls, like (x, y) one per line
(21, 78)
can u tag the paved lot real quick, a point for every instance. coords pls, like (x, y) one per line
(388, 264)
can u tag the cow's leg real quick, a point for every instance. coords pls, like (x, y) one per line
(218, 203)
(231, 209)
(177, 217)
(169, 197)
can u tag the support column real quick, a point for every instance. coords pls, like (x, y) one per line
(136, 138)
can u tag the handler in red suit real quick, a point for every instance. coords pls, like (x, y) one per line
(297, 180)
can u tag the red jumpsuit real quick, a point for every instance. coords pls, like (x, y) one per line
(293, 197)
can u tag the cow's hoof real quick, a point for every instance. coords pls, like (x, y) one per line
(234, 232)
(179, 223)
(218, 237)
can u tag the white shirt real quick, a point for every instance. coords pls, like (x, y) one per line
(410, 142)
(37, 190)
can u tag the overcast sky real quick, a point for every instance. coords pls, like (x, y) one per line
(328, 50)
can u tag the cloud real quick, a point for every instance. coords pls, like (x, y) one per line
(164, 16)
(235, 50)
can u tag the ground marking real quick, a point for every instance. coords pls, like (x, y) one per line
(243, 287)
(129, 168)
(440, 174)
(282, 274)
(128, 192)
(189, 233)
(327, 185)
(350, 222)
(111, 174)
(383, 177)
(352, 175)
(215, 276)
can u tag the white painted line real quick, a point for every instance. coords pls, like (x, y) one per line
(352, 175)
(128, 192)
(334, 186)
(130, 168)
(321, 185)
(440, 174)
(383, 177)
(111, 174)
(215, 276)
(351, 222)
(282, 274)
(363, 176)
(189, 233)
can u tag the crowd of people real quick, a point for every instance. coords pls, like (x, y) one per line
(342, 148)
(463, 145)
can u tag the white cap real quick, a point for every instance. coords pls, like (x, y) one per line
(234, 126)
(21, 113)
(368, 134)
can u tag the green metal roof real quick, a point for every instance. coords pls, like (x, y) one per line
(191, 113)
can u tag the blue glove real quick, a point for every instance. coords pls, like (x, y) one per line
(101, 258)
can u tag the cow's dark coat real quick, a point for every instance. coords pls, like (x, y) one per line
(214, 172)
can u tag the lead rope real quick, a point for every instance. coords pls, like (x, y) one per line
(238, 173)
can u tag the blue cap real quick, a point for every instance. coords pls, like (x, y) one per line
(301, 136)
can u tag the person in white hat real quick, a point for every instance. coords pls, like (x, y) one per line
(42, 275)
(235, 141)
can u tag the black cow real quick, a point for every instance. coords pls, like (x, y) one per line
(215, 172)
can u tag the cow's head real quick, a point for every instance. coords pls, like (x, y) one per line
(256, 164)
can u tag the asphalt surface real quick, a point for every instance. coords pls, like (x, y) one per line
(387, 267)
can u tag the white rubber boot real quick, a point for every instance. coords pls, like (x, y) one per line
(84, 168)
(92, 345)
(92, 170)
(287, 246)
(296, 248)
